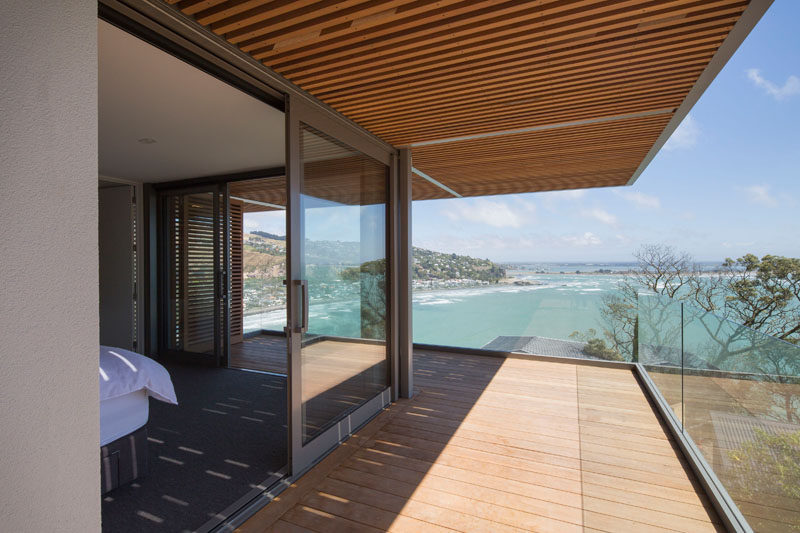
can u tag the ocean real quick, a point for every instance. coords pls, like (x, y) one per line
(554, 305)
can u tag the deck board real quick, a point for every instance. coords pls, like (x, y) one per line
(492, 444)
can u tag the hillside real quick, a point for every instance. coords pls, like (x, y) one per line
(270, 236)
(265, 256)
(335, 253)
(431, 266)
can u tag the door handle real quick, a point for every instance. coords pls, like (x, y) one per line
(304, 285)
(303, 326)
(222, 284)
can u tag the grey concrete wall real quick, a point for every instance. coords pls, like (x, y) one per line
(49, 430)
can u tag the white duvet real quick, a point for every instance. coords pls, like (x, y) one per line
(123, 372)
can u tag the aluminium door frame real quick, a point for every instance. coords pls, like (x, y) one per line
(165, 27)
(304, 456)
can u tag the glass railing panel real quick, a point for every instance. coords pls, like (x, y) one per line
(659, 346)
(742, 410)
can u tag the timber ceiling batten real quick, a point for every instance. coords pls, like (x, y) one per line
(602, 75)
(585, 155)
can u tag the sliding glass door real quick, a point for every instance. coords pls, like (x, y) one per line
(339, 306)
(195, 254)
(336, 200)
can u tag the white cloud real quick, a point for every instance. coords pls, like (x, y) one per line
(790, 87)
(759, 194)
(269, 221)
(639, 199)
(524, 246)
(526, 205)
(490, 212)
(600, 215)
(685, 135)
(553, 200)
(587, 239)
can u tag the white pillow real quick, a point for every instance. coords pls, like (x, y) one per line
(123, 372)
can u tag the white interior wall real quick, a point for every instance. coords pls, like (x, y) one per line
(115, 246)
(49, 443)
(140, 246)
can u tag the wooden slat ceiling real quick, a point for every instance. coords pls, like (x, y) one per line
(419, 71)
(265, 190)
(594, 155)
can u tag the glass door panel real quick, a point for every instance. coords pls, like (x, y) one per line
(338, 308)
(343, 269)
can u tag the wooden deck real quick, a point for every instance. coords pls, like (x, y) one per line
(502, 445)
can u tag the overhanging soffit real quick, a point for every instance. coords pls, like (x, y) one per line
(498, 97)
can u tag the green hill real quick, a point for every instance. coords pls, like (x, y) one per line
(430, 265)
(264, 253)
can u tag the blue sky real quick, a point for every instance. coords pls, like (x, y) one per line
(727, 183)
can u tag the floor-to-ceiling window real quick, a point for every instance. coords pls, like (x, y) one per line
(344, 275)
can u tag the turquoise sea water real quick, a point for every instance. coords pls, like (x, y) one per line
(555, 306)
(558, 305)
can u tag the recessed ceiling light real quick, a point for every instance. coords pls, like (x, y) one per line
(147, 140)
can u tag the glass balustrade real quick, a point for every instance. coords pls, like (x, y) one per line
(736, 393)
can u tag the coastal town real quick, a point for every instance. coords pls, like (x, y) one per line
(265, 269)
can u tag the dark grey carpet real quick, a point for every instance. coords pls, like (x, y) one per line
(227, 435)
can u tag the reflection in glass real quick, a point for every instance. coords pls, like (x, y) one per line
(343, 259)
(740, 405)
(660, 351)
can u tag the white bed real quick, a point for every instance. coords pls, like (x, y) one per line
(122, 415)
(123, 372)
(127, 380)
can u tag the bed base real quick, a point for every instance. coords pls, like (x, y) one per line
(123, 460)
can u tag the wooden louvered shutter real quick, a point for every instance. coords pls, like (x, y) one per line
(199, 227)
(199, 296)
(237, 272)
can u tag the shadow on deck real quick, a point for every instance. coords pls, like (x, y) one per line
(490, 444)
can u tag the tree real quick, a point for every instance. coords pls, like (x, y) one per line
(746, 315)
(660, 270)
(596, 347)
(760, 294)
(764, 294)
(371, 277)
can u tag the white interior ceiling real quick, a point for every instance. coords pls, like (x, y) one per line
(201, 125)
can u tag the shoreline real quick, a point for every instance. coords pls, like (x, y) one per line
(453, 285)
(573, 273)
(508, 280)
